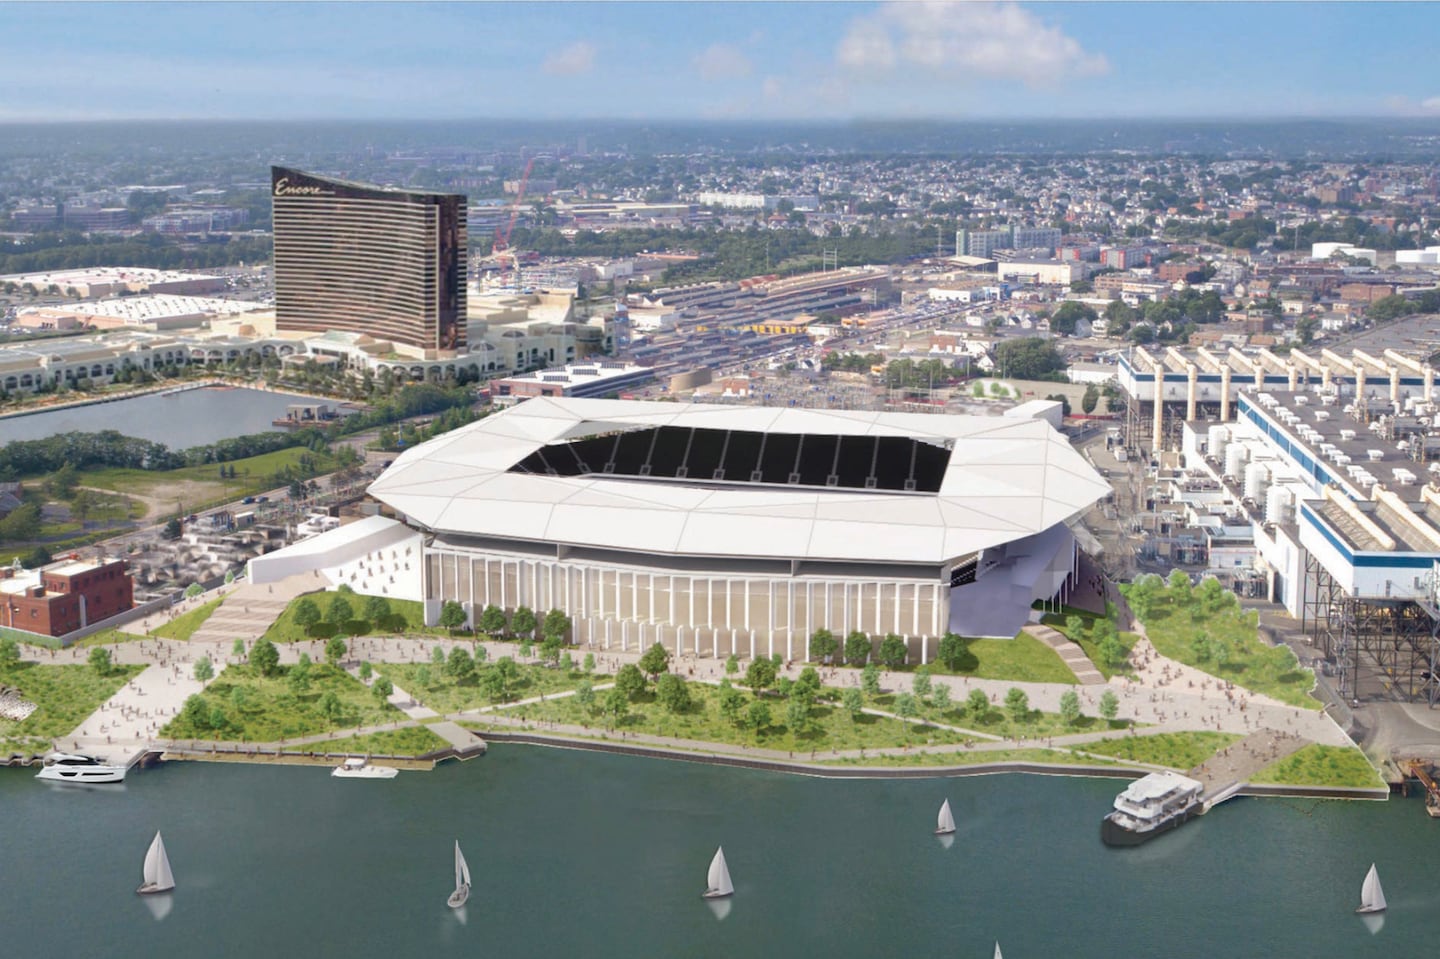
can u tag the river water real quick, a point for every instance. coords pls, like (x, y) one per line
(179, 420)
(591, 855)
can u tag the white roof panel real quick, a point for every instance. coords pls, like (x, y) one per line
(1007, 478)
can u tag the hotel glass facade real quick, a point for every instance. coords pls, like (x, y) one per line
(384, 262)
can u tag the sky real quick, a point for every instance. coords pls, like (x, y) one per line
(716, 61)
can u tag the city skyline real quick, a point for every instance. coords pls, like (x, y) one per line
(722, 61)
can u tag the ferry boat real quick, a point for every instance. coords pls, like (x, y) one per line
(1150, 806)
(76, 768)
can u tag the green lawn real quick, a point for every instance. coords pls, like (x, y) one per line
(65, 694)
(182, 627)
(1174, 621)
(108, 637)
(444, 695)
(407, 741)
(833, 727)
(406, 616)
(267, 710)
(1317, 765)
(1022, 659)
(1182, 751)
(253, 474)
(971, 757)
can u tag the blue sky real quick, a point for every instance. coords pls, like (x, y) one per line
(697, 61)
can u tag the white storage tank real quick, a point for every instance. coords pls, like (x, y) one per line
(1278, 504)
(1219, 439)
(1257, 477)
(1235, 457)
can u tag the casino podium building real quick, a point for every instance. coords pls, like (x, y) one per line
(383, 262)
(717, 529)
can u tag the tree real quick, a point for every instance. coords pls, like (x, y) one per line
(823, 645)
(452, 615)
(585, 696)
(655, 661)
(1112, 651)
(237, 648)
(1028, 359)
(1017, 704)
(1178, 584)
(173, 529)
(857, 648)
(100, 661)
(617, 705)
(557, 625)
(906, 708)
(383, 690)
(1200, 646)
(459, 666)
(630, 681)
(953, 650)
(550, 650)
(423, 676)
(761, 675)
(567, 663)
(808, 685)
(298, 680)
(10, 651)
(940, 698)
(307, 613)
(920, 685)
(893, 651)
(1090, 400)
(870, 679)
(797, 714)
(672, 692)
(264, 657)
(366, 671)
(1069, 315)
(523, 621)
(853, 701)
(377, 608)
(1070, 707)
(1109, 705)
(331, 707)
(341, 612)
(193, 590)
(437, 656)
(977, 704)
(492, 620)
(732, 665)
(759, 716)
(588, 665)
(335, 651)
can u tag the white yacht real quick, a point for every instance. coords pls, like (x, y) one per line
(77, 768)
(1149, 806)
(358, 768)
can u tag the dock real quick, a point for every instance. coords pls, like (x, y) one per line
(1229, 770)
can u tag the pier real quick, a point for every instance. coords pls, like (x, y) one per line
(1227, 772)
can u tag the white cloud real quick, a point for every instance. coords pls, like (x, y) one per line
(577, 58)
(722, 61)
(998, 40)
(1430, 105)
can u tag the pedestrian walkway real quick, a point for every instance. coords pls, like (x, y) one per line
(128, 722)
(1237, 763)
(1073, 656)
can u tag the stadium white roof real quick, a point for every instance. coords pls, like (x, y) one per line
(1006, 479)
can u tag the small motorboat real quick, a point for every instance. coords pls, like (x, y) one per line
(358, 768)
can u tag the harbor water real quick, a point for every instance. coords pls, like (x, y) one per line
(179, 419)
(584, 854)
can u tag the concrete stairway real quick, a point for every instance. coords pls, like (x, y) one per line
(1071, 653)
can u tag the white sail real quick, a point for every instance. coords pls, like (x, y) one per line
(1372, 897)
(997, 951)
(945, 822)
(719, 878)
(462, 869)
(157, 866)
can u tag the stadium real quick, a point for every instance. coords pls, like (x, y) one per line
(721, 529)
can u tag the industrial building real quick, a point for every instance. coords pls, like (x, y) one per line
(371, 260)
(719, 530)
(63, 597)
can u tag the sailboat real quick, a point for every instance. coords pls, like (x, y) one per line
(462, 880)
(1372, 897)
(718, 884)
(945, 823)
(158, 877)
(997, 951)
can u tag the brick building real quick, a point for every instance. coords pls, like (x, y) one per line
(63, 597)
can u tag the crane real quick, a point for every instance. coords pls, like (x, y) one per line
(502, 240)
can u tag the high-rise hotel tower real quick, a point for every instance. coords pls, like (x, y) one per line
(358, 258)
